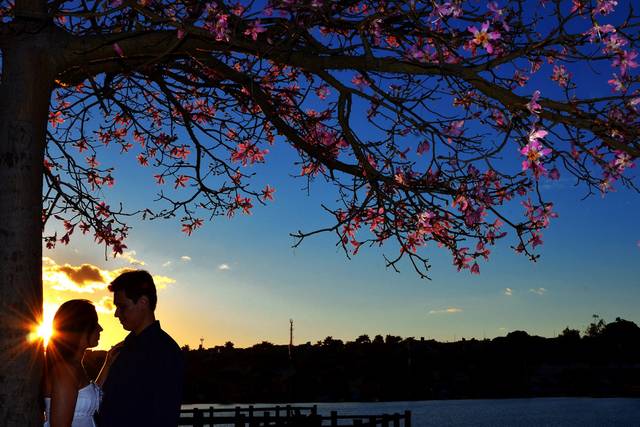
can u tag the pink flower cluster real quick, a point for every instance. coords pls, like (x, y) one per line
(534, 151)
(483, 37)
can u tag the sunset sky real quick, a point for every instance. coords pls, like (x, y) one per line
(240, 280)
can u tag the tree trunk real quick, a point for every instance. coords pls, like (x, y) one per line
(25, 91)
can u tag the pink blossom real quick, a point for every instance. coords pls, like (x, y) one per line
(605, 7)
(498, 14)
(267, 193)
(447, 9)
(118, 50)
(625, 60)
(614, 43)
(520, 78)
(248, 152)
(180, 152)
(181, 181)
(533, 105)
(536, 239)
(419, 53)
(55, 118)
(221, 27)
(617, 84)
(92, 162)
(322, 92)
(499, 118)
(483, 38)
(454, 129)
(599, 31)
(475, 268)
(255, 28)
(103, 210)
(359, 80)
(392, 41)
(578, 5)
(534, 151)
(622, 161)
(561, 75)
(423, 147)
(634, 102)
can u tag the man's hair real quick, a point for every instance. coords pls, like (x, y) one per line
(136, 284)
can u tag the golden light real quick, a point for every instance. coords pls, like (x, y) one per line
(44, 330)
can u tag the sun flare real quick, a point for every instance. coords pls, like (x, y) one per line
(44, 330)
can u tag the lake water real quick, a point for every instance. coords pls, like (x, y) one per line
(538, 412)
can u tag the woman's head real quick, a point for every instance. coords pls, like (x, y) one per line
(75, 328)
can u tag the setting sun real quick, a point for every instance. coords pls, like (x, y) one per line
(44, 331)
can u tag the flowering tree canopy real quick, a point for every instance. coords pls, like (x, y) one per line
(436, 121)
(447, 88)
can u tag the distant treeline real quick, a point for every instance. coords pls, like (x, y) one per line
(603, 362)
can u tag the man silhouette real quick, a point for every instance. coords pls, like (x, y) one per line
(144, 383)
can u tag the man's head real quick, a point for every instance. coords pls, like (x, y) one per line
(135, 298)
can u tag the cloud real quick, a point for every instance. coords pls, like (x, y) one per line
(508, 291)
(163, 281)
(85, 278)
(130, 257)
(185, 258)
(167, 264)
(86, 273)
(448, 310)
(105, 305)
(539, 291)
(224, 267)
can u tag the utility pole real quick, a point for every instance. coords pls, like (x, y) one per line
(290, 338)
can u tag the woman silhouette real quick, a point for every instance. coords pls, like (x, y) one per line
(71, 399)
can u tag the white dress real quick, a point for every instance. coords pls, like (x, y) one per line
(87, 404)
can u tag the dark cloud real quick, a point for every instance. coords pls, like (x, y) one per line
(83, 274)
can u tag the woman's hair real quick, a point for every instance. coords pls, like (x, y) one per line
(73, 320)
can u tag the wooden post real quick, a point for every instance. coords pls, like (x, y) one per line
(239, 421)
(385, 420)
(372, 421)
(211, 416)
(396, 420)
(197, 418)
(334, 419)
(288, 411)
(277, 415)
(251, 420)
(314, 410)
(267, 420)
(407, 418)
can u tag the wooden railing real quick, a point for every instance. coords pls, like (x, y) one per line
(287, 415)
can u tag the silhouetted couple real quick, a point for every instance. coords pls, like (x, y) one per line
(140, 383)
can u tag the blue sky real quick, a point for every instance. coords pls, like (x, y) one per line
(589, 264)
(240, 280)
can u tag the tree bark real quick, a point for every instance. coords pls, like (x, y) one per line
(25, 91)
